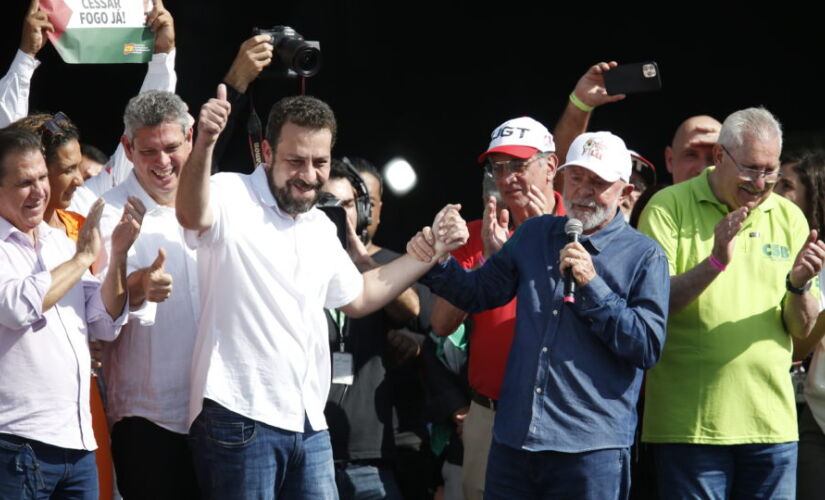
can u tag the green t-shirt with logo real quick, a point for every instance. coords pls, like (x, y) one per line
(723, 376)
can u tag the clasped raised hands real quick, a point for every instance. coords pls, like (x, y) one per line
(448, 232)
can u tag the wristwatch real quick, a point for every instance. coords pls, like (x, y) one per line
(793, 289)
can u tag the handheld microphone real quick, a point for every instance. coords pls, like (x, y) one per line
(573, 229)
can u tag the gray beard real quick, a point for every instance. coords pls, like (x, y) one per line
(590, 220)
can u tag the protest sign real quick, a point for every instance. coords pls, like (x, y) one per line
(100, 31)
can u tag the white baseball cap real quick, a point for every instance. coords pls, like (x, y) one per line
(602, 153)
(520, 137)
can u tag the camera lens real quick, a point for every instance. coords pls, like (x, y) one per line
(300, 57)
(306, 61)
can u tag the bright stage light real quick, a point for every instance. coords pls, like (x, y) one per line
(399, 176)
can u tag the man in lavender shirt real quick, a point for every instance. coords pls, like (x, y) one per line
(49, 305)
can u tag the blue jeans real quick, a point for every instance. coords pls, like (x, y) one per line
(239, 458)
(735, 471)
(365, 482)
(522, 474)
(33, 470)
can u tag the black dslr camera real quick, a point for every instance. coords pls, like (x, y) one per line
(295, 56)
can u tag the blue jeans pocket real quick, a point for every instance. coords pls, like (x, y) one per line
(20, 474)
(226, 428)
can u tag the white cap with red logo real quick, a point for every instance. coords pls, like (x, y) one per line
(520, 137)
(602, 153)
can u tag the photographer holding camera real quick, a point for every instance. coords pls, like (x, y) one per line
(359, 409)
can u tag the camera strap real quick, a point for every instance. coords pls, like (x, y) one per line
(254, 128)
(255, 132)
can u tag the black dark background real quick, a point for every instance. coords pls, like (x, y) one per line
(429, 81)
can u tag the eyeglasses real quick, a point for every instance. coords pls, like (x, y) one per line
(56, 125)
(500, 169)
(751, 174)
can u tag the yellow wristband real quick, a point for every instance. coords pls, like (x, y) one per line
(579, 103)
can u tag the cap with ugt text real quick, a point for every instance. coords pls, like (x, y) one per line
(520, 137)
(602, 153)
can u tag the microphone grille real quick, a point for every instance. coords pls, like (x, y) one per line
(573, 226)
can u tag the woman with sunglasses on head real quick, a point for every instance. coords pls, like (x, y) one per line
(803, 182)
(60, 141)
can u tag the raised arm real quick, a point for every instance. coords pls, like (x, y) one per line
(14, 87)
(802, 309)
(114, 289)
(67, 274)
(384, 283)
(588, 94)
(192, 202)
(402, 308)
(686, 287)
(160, 75)
(160, 72)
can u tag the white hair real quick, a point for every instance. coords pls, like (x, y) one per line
(757, 123)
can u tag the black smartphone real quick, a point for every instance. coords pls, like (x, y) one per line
(633, 78)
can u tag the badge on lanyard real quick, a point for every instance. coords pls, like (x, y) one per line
(342, 368)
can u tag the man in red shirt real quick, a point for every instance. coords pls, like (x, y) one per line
(521, 160)
(522, 163)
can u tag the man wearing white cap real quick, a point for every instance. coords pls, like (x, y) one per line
(521, 161)
(566, 414)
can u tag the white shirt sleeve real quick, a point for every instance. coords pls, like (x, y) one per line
(346, 283)
(14, 88)
(218, 187)
(160, 74)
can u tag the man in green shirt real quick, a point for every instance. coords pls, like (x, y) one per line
(719, 405)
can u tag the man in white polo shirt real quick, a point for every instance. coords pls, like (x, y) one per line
(269, 262)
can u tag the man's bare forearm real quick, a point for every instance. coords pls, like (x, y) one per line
(800, 314)
(64, 277)
(113, 291)
(134, 282)
(445, 317)
(404, 307)
(686, 287)
(383, 284)
(804, 346)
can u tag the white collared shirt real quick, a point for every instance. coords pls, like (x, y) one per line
(147, 367)
(262, 348)
(44, 356)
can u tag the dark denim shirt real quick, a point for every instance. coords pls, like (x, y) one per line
(574, 372)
